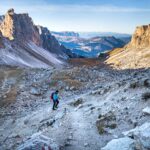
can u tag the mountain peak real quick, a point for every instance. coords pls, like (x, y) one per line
(11, 11)
(141, 37)
(135, 54)
(19, 27)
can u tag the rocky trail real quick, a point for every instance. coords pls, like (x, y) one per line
(97, 105)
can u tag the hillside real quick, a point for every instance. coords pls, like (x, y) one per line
(134, 55)
(99, 108)
(25, 44)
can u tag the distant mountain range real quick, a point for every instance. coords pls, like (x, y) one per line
(66, 33)
(90, 47)
(101, 34)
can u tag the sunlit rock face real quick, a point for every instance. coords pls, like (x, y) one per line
(24, 44)
(141, 37)
(134, 55)
(19, 27)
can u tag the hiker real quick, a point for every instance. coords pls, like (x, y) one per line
(55, 98)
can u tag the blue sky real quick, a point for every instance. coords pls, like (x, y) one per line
(84, 15)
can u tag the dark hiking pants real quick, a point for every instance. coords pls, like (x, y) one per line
(55, 104)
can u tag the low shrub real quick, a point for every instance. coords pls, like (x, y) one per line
(146, 96)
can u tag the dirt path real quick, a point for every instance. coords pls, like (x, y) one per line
(75, 131)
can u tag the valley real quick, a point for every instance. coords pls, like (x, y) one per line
(103, 84)
(91, 47)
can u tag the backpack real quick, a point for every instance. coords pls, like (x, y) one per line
(52, 96)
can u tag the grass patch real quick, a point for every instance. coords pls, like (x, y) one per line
(106, 121)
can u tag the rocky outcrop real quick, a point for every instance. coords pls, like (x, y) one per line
(27, 44)
(134, 55)
(141, 37)
(1, 41)
(137, 138)
(19, 27)
(141, 134)
(49, 42)
(146, 110)
(120, 144)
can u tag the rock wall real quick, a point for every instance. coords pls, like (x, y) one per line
(141, 37)
(134, 55)
(19, 27)
(1, 41)
(48, 41)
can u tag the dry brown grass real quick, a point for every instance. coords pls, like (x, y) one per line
(74, 83)
(115, 51)
(66, 78)
(10, 73)
(14, 73)
(10, 97)
(9, 93)
(86, 61)
(146, 56)
(2, 75)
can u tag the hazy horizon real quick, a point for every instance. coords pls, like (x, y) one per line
(84, 16)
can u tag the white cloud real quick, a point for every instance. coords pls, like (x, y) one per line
(75, 8)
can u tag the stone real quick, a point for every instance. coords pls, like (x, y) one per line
(86, 144)
(72, 88)
(141, 134)
(147, 83)
(35, 91)
(146, 110)
(67, 88)
(120, 144)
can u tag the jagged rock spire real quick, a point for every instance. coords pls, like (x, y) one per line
(11, 11)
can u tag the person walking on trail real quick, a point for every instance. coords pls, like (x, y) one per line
(55, 99)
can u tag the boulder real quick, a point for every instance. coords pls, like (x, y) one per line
(141, 134)
(147, 83)
(120, 144)
(146, 110)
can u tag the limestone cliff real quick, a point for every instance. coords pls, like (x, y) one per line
(134, 55)
(141, 37)
(24, 44)
(19, 27)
